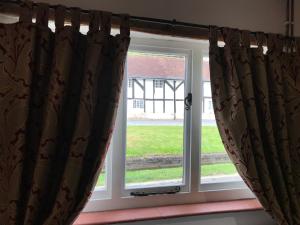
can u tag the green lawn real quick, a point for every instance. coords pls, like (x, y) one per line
(167, 140)
(172, 173)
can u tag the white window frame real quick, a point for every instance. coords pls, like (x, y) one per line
(161, 49)
(116, 196)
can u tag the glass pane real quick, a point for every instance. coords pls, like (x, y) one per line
(155, 113)
(215, 164)
(101, 179)
(104, 179)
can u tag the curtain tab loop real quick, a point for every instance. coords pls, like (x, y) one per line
(75, 18)
(124, 25)
(60, 12)
(232, 37)
(26, 12)
(245, 36)
(42, 16)
(106, 22)
(225, 33)
(280, 42)
(94, 21)
(288, 44)
(213, 35)
(260, 39)
(271, 41)
(275, 42)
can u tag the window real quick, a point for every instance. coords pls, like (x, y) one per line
(158, 145)
(155, 138)
(129, 83)
(158, 83)
(207, 106)
(138, 104)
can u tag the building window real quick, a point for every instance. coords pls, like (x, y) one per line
(157, 151)
(130, 83)
(158, 83)
(208, 106)
(138, 104)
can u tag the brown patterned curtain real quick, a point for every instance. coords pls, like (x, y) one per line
(58, 97)
(256, 100)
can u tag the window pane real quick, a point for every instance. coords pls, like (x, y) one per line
(101, 180)
(215, 163)
(155, 113)
(101, 183)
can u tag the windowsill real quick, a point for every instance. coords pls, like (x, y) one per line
(163, 212)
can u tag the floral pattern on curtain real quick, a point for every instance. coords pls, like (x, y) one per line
(256, 98)
(58, 97)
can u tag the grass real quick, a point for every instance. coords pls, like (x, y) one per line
(167, 140)
(172, 173)
(211, 141)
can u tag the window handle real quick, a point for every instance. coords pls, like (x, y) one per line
(188, 101)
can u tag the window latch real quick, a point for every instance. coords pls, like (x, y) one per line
(188, 101)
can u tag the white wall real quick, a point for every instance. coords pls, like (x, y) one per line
(242, 218)
(255, 15)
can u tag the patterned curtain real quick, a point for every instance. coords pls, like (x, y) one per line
(58, 97)
(256, 98)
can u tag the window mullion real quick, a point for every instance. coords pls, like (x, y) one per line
(196, 118)
(119, 145)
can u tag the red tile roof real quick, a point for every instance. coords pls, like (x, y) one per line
(156, 66)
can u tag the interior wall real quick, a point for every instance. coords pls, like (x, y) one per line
(254, 15)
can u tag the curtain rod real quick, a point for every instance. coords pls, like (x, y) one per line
(137, 23)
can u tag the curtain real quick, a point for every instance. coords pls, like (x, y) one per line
(256, 98)
(58, 97)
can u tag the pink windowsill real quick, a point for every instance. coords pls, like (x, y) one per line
(163, 212)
